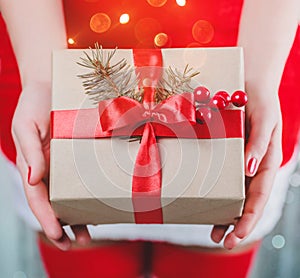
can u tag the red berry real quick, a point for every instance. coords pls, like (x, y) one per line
(201, 94)
(225, 95)
(239, 98)
(217, 102)
(203, 114)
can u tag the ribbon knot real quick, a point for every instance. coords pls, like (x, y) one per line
(124, 112)
(153, 116)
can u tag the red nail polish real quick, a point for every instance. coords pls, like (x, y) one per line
(252, 165)
(29, 174)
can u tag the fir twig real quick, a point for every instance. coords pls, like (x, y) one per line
(175, 83)
(107, 80)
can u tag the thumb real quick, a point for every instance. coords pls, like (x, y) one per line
(29, 143)
(257, 146)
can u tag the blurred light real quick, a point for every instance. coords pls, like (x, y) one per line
(203, 31)
(71, 41)
(124, 18)
(147, 82)
(194, 44)
(181, 3)
(278, 241)
(100, 22)
(295, 180)
(157, 3)
(161, 39)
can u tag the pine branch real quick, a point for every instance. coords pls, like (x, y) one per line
(107, 80)
(175, 83)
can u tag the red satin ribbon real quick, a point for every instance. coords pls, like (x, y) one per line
(84, 124)
(146, 181)
(125, 112)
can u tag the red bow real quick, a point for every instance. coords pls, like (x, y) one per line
(124, 112)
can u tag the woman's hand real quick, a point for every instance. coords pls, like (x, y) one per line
(30, 129)
(263, 157)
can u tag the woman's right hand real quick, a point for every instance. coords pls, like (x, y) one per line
(30, 129)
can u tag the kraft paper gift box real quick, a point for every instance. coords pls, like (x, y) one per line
(91, 179)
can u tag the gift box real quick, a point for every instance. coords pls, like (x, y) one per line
(121, 161)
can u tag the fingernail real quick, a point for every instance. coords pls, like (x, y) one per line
(29, 174)
(252, 165)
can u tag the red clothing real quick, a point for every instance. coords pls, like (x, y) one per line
(132, 259)
(219, 20)
(10, 88)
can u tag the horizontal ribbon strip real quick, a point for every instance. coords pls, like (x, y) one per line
(84, 124)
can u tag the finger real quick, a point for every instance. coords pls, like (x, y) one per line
(81, 233)
(231, 241)
(63, 243)
(257, 195)
(38, 200)
(218, 232)
(257, 146)
(27, 137)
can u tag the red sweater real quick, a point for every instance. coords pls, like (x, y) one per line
(217, 26)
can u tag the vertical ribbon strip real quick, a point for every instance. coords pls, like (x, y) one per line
(146, 181)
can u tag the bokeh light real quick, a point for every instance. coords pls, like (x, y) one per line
(278, 241)
(295, 180)
(124, 18)
(157, 3)
(181, 3)
(100, 22)
(194, 44)
(71, 41)
(161, 39)
(203, 31)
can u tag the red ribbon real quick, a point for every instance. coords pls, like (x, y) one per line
(124, 112)
(84, 124)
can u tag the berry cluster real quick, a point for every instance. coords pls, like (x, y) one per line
(221, 100)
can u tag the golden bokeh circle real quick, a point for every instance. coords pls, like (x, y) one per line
(161, 39)
(71, 41)
(203, 31)
(181, 3)
(157, 3)
(100, 22)
(124, 18)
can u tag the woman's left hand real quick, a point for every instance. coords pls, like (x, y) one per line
(263, 156)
